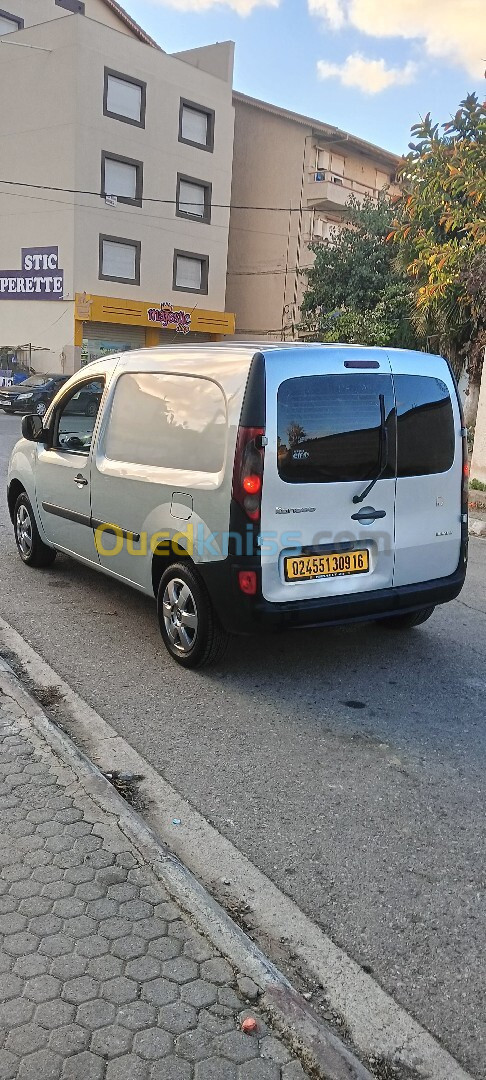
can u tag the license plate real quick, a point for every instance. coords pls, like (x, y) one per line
(334, 564)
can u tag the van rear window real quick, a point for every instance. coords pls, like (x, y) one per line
(328, 427)
(425, 438)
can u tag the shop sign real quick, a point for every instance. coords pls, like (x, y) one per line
(39, 279)
(167, 317)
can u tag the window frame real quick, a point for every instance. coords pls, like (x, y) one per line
(13, 18)
(204, 259)
(135, 82)
(138, 165)
(210, 113)
(137, 244)
(208, 189)
(58, 411)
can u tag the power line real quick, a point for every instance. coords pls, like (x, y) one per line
(166, 202)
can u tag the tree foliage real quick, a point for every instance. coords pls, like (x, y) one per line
(355, 293)
(439, 233)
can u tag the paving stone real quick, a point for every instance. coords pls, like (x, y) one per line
(9, 1065)
(93, 946)
(30, 965)
(88, 891)
(137, 1015)
(218, 1025)
(52, 1014)
(42, 988)
(293, 1071)
(178, 1017)
(106, 967)
(237, 1046)
(199, 993)
(95, 1014)
(195, 1045)
(69, 1039)
(198, 949)
(34, 905)
(215, 1069)
(165, 948)
(26, 1039)
(248, 988)
(150, 929)
(122, 891)
(152, 1044)
(111, 1041)
(259, 1070)
(68, 908)
(56, 945)
(43, 1064)
(218, 971)
(275, 1050)
(15, 1012)
(12, 922)
(227, 996)
(10, 986)
(119, 990)
(160, 992)
(81, 989)
(68, 966)
(136, 910)
(128, 1067)
(171, 1068)
(129, 947)
(180, 970)
(145, 967)
(20, 944)
(84, 1066)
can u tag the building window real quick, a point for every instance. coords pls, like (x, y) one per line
(9, 23)
(75, 6)
(193, 199)
(191, 272)
(120, 260)
(124, 98)
(196, 125)
(123, 177)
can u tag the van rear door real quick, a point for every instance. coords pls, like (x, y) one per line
(331, 433)
(429, 470)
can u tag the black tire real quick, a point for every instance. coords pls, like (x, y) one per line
(198, 640)
(91, 408)
(408, 620)
(31, 548)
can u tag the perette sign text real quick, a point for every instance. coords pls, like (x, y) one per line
(39, 279)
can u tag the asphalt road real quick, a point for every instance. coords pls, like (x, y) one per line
(348, 764)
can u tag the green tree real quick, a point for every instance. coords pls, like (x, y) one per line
(354, 291)
(439, 235)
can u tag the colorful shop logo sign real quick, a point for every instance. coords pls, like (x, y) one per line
(39, 279)
(167, 317)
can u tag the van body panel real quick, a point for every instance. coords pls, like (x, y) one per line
(318, 516)
(428, 524)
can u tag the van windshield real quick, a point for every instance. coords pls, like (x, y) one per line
(328, 427)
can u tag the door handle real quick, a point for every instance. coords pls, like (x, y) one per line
(368, 514)
(80, 481)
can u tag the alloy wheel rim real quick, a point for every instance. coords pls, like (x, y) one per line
(180, 615)
(24, 531)
(41, 409)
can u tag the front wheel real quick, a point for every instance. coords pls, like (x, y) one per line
(31, 548)
(189, 627)
(408, 620)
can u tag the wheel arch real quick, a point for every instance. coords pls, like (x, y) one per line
(15, 488)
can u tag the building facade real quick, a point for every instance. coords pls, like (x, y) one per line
(297, 174)
(115, 185)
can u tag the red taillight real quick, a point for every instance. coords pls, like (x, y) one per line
(248, 471)
(465, 469)
(247, 580)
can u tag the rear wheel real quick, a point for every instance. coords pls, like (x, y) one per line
(189, 627)
(41, 408)
(408, 620)
(30, 547)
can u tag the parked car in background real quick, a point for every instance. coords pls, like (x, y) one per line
(86, 401)
(34, 395)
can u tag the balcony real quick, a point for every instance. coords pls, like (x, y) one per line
(327, 191)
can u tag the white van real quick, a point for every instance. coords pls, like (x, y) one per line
(253, 486)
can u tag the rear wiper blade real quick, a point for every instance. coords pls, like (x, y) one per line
(383, 463)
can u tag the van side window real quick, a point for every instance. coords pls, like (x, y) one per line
(76, 417)
(425, 425)
(168, 421)
(328, 428)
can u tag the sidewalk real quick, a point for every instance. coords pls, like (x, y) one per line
(102, 977)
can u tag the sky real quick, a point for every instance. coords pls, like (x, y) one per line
(371, 67)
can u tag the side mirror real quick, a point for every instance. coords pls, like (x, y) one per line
(32, 427)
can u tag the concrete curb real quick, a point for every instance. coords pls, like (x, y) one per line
(321, 1050)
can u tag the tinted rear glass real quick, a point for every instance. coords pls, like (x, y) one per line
(328, 427)
(425, 421)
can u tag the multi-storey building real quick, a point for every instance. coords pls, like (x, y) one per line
(115, 175)
(297, 174)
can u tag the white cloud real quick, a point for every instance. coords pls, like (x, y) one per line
(242, 7)
(452, 30)
(370, 76)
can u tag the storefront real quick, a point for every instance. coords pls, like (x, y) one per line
(105, 325)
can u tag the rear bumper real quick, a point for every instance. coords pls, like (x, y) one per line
(240, 614)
